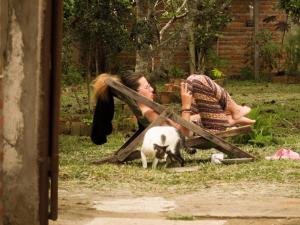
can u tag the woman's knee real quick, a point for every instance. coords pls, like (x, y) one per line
(200, 77)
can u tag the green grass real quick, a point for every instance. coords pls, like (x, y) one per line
(279, 101)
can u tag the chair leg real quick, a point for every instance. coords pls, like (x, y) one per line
(224, 146)
(113, 158)
(124, 153)
(108, 159)
(136, 134)
(133, 156)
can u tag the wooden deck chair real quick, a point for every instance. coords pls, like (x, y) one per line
(128, 150)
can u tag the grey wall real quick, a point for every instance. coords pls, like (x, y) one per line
(20, 49)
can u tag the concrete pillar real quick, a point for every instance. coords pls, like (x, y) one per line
(20, 46)
(3, 35)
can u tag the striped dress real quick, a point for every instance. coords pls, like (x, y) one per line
(209, 101)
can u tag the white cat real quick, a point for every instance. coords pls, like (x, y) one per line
(160, 143)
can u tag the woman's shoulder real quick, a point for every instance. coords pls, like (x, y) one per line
(145, 109)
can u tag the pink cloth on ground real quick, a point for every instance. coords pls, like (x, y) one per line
(284, 154)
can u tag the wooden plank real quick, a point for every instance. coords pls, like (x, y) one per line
(135, 96)
(124, 153)
(136, 154)
(113, 158)
(224, 146)
(133, 107)
(223, 134)
(107, 159)
(133, 137)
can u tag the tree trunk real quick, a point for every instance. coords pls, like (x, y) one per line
(96, 60)
(192, 53)
(256, 48)
(142, 55)
(163, 66)
(141, 64)
(191, 4)
(88, 79)
(200, 64)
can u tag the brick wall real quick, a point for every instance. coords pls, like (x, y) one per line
(233, 45)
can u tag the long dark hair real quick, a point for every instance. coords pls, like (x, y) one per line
(130, 79)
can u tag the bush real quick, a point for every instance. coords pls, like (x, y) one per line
(292, 49)
(262, 134)
(176, 72)
(72, 76)
(216, 74)
(214, 60)
(246, 73)
(269, 52)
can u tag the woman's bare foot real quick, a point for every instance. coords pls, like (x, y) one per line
(242, 111)
(241, 121)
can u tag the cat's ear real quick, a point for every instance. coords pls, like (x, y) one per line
(155, 146)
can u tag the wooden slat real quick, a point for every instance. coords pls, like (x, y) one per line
(136, 96)
(224, 146)
(132, 105)
(113, 158)
(57, 23)
(123, 154)
(131, 139)
(51, 42)
(224, 134)
(107, 159)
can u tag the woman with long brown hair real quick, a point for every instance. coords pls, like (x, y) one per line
(203, 102)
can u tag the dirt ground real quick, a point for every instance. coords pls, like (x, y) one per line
(221, 204)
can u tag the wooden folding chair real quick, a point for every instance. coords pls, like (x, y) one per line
(128, 150)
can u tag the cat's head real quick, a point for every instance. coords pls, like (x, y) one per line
(160, 151)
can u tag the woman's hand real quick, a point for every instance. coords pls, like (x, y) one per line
(186, 96)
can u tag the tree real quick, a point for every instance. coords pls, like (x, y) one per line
(289, 46)
(207, 19)
(291, 8)
(292, 11)
(153, 20)
(100, 28)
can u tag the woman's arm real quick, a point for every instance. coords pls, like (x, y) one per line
(186, 102)
(186, 99)
(151, 116)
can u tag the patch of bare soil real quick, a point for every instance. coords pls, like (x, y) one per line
(234, 204)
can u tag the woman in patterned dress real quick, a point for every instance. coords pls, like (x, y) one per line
(203, 102)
